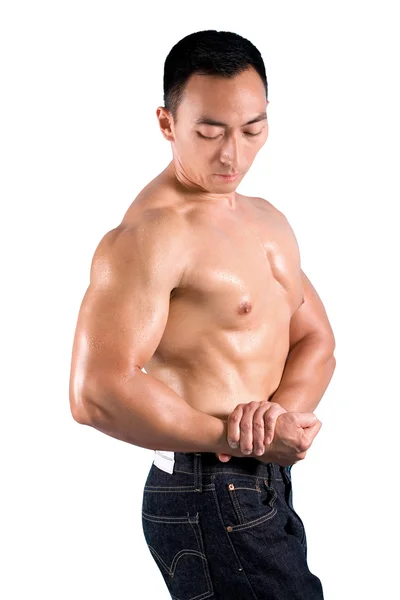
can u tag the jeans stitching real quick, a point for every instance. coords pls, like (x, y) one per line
(188, 488)
(251, 524)
(163, 518)
(160, 489)
(289, 484)
(200, 553)
(201, 546)
(236, 506)
(231, 543)
(297, 515)
(223, 472)
(224, 528)
(171, 571)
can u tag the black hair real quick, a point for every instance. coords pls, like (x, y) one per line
(208, 52)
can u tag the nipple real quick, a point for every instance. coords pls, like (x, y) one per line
(244, 307)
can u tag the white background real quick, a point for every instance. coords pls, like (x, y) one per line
(81, 82)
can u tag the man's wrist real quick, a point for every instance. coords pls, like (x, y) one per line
(222, 446)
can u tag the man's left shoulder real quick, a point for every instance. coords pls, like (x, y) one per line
(275, 216)
(267, 206)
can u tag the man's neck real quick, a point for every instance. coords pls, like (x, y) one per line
(196, 192)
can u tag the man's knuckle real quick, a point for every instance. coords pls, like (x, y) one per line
(304, 445)
(301, 455)
(245, 427)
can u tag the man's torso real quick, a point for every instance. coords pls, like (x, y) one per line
(227, 335)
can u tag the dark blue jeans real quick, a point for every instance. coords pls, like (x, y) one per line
(226, 530)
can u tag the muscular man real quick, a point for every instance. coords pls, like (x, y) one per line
(199, 325)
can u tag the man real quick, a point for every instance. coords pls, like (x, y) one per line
(202, 287)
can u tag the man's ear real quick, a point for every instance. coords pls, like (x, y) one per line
(165, 122)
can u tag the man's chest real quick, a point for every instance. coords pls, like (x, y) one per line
(241, 273)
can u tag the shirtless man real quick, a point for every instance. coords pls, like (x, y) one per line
(202, 287)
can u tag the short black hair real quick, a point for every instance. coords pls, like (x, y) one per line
(208, 52)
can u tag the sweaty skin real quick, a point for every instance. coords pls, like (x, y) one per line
(188, 311)
(227, 335)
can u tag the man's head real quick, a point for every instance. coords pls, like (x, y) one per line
(216, 96)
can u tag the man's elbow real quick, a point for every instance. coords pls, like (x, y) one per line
(323, 346)
(332, 348)
(83, 409)
(80, 412)
(329, 354)
(94, 401)
(326, 343)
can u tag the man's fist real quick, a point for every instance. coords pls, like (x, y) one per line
(294, 434)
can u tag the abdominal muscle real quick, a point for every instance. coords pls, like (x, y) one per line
(226, 339)
(215, 369)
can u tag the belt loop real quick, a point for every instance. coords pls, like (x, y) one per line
(197, 472)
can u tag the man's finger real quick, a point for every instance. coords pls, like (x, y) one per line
(310, 433)
(264, 425)
(270, 418)
(223, 457)
(233, 432)
(246, 427)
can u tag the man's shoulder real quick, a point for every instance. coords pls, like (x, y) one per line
(266, 206)
(151, 228)
(156, 207)
(273, 216)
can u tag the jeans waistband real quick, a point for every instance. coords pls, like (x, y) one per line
(207, 462)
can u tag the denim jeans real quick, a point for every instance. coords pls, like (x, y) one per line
(226, 530)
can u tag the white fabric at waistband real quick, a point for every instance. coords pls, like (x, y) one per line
(164, 460)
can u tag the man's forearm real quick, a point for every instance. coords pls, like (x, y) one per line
(309, 368)
(146, 413)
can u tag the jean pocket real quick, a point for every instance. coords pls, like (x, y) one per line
(244, 501)
(176, 544)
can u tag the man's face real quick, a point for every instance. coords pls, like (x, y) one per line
(226, 142)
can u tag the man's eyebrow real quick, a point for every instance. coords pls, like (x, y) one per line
(208, 121)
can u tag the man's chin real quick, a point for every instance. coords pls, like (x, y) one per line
(224, 187)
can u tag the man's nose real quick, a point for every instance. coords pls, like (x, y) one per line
(230, 150)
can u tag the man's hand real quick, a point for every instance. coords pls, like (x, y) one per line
(252, 426)
(294, 434)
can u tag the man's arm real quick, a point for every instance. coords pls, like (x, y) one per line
(120, 324)
(310, 363)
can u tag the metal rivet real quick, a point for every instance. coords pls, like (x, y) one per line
(231, 486)
(229, 528)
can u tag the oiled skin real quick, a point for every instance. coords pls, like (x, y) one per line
(227, 335)
(197, 286)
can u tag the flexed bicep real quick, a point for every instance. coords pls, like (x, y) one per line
(125, 308)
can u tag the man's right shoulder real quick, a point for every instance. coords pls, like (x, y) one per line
(153, 235)
(160, 224)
